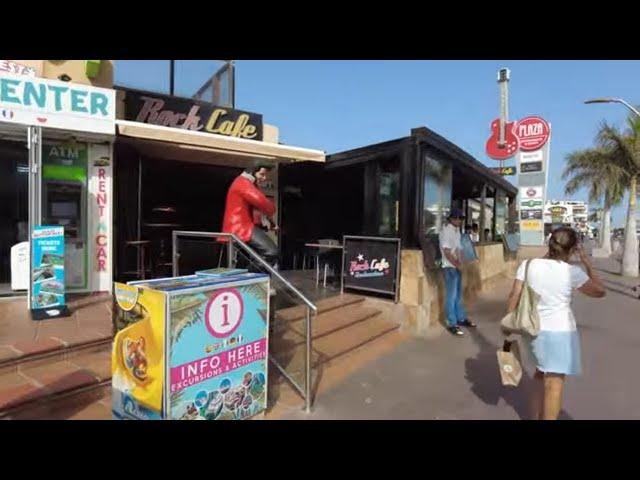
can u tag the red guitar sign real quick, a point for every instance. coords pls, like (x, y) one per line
(510, 146)
(503, 142)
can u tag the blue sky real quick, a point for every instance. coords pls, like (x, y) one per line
(338, 105)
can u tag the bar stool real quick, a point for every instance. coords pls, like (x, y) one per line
(305, 257)
(308, 259)
(321, 258)
(141, 269)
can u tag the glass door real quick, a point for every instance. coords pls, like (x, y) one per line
(14, 212)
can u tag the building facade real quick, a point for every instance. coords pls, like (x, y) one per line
(571, 213)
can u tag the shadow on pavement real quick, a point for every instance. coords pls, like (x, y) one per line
(607, 271)
(626, 292)
(484, 377)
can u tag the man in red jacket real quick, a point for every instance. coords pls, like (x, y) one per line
(242, 198)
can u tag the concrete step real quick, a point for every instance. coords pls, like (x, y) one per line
(283, 397)
(333, 320)
(356, 335)
(25, 354)
(289, 347)
(90, 403)
(36, 384)
(298, 312)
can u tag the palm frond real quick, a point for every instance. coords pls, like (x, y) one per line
(621, 146)
(175, 398)
(184, 313)
(599, 171)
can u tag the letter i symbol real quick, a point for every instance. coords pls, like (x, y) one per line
(225, 309)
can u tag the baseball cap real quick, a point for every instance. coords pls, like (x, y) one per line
(456, 213)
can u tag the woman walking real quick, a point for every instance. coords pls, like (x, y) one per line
(556, 349)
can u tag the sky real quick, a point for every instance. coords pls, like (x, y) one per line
(343, 104)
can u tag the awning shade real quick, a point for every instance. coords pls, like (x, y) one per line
(219, 143)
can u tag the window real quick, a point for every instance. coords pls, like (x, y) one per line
(437, 184)
(501, 215)
(388, 197)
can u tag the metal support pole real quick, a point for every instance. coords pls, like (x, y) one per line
(172, 74)
(483, 214)
(512, 215)
(344, 253)
(175, 255)
(307, 387)
(230, 253)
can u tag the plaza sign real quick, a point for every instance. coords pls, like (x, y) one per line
(532, 132)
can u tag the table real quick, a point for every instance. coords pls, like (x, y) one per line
(163, 225)
(323, 245)
(140, 262)
(162, 260)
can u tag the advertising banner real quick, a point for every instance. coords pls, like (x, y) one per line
(47, 273)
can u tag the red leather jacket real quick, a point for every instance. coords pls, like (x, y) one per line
(243, 196)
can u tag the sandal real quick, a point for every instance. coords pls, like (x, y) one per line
(468, 323)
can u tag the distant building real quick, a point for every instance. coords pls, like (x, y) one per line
(570, 213)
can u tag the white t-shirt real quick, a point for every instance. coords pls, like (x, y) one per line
(554, 281)
(449, 238)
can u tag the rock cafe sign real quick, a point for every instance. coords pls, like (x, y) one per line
(188, 114)
(362, 267)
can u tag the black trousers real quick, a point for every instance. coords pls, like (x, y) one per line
(264, 246)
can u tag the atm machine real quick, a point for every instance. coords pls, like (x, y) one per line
(64, 204)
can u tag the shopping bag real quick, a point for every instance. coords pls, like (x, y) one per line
(509, 364)
(525, 319)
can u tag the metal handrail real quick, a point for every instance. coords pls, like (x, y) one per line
(310, 306)
(269, 268)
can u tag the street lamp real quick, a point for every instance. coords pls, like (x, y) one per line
(614, 100)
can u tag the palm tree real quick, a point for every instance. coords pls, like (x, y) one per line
(625, 150)
(595, 170)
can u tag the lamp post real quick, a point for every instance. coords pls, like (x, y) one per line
(613, 100)
(172, 76)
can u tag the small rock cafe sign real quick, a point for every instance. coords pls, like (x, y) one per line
(188, 114)
(371, 264)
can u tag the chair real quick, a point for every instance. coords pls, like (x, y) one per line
(322, 256)
(141, 245)
(304, 253)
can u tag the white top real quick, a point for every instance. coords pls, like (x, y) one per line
(450, 238)
(554, 281)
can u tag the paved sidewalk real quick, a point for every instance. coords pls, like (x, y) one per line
(457, 378)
